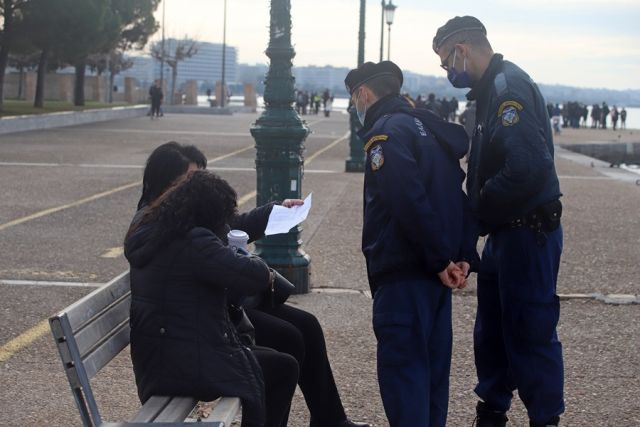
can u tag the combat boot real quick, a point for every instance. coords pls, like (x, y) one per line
(553, 422)
(487, 417)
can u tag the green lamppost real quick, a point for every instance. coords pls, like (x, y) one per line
(279, 134)
(356, 160)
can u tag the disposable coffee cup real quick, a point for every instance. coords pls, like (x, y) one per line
(238, 239)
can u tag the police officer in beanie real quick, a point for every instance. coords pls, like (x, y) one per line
(514, 190)
(413, 241)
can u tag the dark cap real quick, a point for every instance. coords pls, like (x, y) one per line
(454, 26)
(370, 70)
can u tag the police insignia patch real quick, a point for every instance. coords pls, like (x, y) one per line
(509, 112)
(510, 116)
(377, 157)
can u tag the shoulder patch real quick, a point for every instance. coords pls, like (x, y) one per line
(509, 112)
(377, 157)
(500, 83)
(375, 139)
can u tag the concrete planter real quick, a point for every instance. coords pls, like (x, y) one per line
(68, 118)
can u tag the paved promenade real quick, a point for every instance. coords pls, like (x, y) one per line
(67, 196)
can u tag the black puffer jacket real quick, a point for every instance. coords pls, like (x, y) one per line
(182, 341)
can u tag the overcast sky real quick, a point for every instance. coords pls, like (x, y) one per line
(588, 43)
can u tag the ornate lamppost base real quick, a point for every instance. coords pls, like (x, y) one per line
(282, 252)
(354, 166)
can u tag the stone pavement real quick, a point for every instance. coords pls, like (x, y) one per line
(82, 185)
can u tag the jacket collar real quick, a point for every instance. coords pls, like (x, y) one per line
(484, 84)
(385, 105)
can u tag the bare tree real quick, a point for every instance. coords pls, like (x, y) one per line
(113, 62)
(173, 55)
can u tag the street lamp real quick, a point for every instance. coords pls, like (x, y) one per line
(389, 11)
(164, 2)
(383, 4)
(356, 160)
(223, 98)
(279, 134)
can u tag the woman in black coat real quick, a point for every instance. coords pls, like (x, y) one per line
(182, 340)
(284, 328)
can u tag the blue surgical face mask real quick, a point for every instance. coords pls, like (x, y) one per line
(457, 79)
(361, 114)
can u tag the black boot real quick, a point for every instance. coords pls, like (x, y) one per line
(553, 422)
(487, 417)
(345, 423)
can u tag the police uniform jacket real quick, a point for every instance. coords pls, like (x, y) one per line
(182, 340)
(414, 206)
(511, 169)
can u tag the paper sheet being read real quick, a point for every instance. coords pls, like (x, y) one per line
(282, 219)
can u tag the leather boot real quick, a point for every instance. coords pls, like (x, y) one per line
(487, 417)
(553, 422)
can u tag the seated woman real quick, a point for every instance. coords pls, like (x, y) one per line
(283, 328)
(182, 341)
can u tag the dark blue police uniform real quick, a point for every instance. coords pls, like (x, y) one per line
(415, 223)
(514, 190)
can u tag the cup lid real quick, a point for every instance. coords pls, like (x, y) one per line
(238, 234)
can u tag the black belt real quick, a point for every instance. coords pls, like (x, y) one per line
(544, 219)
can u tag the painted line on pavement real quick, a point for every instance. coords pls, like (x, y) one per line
(113, 252)
(49, 283)
(8, 350)
(97, 196)
(595, 178)
(328, 147)
(67, 206)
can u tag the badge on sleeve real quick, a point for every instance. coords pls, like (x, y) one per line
(509, 112)
(377, 157)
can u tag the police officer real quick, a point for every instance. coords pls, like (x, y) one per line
(514, 190)
(413, 242)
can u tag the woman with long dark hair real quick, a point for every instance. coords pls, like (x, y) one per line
(281, 327)
(183, 342)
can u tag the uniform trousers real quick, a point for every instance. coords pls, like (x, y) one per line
(412, 323)
(298, 333)
(515, 341)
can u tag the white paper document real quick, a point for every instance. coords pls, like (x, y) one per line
(282, 219)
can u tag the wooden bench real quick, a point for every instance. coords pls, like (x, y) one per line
(90, 333)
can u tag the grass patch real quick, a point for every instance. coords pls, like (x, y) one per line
(13, 107)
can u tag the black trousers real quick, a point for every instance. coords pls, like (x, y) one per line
(155, 108)
(280, 374)
(298, 333)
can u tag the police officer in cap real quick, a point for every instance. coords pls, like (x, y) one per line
(413, 241)
(514, 190)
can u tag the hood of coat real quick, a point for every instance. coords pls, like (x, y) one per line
(451, 136)
(141, 246)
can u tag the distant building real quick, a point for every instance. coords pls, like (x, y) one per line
(205, 66)
(319, 78)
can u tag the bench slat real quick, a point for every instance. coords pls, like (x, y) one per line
(225, 411)
(109, 349)
(151, 409)
(102, 325)
(87, 307)
(177, 410)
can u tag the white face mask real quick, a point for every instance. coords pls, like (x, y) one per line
(361, 114)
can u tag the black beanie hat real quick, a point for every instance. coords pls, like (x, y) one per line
(455, 26)
(370, 70)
